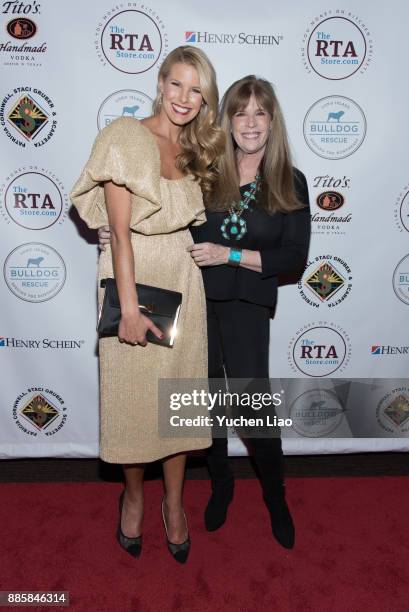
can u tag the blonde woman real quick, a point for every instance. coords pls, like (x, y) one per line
(258, 228)
(145, 179)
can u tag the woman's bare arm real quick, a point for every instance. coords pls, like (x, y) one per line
(133, 325)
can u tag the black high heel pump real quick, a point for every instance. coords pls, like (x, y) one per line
(179, 552)
(133, 546)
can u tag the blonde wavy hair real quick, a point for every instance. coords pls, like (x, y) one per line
(201, 140)
(278, 190)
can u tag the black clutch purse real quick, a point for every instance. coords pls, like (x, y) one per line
(160, 305)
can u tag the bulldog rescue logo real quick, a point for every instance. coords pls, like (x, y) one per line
(400, 280)
(131, 40)
(35, 200)
(28, 117)
(39, 412)
(334, 127)
(34, 272)
(327, 281)
(319, 349)
(124, 103)
(336, 45)
(316, 413)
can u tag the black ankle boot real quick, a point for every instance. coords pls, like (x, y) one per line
(268, 456)
(216, 509)
(282, 523)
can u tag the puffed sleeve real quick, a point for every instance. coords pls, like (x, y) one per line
(126, 154)
(291, 255)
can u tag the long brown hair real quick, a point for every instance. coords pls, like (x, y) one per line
(201, 140)
(278, 191)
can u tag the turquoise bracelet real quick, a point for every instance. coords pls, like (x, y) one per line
(234, 257)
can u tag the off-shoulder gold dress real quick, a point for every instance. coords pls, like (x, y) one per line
(126, 153)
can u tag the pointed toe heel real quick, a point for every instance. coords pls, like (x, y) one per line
(180, 552)
(133, 546)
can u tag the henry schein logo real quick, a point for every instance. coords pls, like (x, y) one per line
(387, 349)
(225, 38)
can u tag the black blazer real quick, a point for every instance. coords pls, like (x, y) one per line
(281, 238)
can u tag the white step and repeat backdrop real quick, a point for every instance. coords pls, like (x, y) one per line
(70, 67)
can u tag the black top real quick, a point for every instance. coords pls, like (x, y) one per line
(281, 238)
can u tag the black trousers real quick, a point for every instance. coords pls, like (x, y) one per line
(238, 338)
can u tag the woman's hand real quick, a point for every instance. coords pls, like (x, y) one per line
(133, 328)
(209, 254)
(104, 237)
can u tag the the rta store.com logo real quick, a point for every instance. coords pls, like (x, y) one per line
(34, 272)
(334, 127)
(38, 411)
(33, 200)
(124, 103)
(28, 116)
(242, 38)
(402, 209)
(326, 281)
(319, 349)
(131, 41)
(336, 45)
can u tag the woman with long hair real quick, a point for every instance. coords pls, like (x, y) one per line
(145, 179)
(258, 227)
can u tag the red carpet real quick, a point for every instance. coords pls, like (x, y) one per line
(351, 554)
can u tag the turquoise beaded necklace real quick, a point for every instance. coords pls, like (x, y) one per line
(233, 226)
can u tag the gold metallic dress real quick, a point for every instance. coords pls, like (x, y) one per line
(126, 153)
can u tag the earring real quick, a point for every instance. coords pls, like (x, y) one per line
(160, 98)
